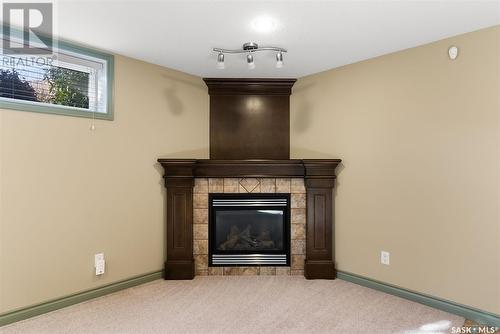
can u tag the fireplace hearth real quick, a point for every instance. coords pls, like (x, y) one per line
(249, 230)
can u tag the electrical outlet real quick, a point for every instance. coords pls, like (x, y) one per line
(385, 257)
(99, 263)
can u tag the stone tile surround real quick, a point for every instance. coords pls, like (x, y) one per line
(294, 186)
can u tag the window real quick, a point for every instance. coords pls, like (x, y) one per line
(75, 81)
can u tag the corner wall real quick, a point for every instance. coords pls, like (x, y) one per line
(67, 193)
(419, 136)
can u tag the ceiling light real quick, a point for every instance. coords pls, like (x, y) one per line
(249, 49)
(279, 59)
(251, 64)
(220, 61)
(263, 24)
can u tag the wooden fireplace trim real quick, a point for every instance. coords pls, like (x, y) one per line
(319, 176)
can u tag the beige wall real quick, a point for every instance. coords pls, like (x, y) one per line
(68, 192)
(419, 136)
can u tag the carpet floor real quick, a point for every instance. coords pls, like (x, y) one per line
(243, 304)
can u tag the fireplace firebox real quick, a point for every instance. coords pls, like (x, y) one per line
(249, 230)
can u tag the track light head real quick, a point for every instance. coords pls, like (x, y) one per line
(220, 61)
(279, 59)
(251, 64)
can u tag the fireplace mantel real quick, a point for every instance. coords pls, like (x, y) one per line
(319, 176)
(306, 168)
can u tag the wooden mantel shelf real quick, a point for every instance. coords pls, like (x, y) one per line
(319, 179)
(306, 168)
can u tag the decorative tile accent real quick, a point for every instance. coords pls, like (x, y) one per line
(200, 201)
(267, 185)
(231, 185)
(298, 216)
(200, 216)
(215, 185)
(230, 271)
(249, 185)
(298, 201)
(298, 232)
(249, 271)
(201, 262)
(298, 261)
(282, 185)
(200, 232)
(215, 271)
(297, 186)
(280, 271)
(298, 246)
(200, 186)
(200, 247)
(267, 271)
(201, 272)
(205, 186)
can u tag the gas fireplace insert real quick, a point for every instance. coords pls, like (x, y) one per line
(249, 230)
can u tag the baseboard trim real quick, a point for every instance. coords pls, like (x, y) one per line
(56, 304)
(467, 312)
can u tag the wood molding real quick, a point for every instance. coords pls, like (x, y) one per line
(55, 304)
(245, 86)
(311, 169)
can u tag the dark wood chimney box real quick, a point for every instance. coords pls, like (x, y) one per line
(249, 118)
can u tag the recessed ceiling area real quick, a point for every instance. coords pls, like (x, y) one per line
(318, 35)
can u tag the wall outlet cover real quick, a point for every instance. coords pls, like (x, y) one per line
(385, 257)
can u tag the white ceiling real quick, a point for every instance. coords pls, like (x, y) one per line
(318, 35)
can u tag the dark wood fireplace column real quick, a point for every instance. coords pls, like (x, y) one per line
(179, 181)
(319, 182)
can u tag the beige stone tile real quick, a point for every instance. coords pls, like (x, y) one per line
(249, 271)
(295, 272)
(267, 271)
(280, 271)
(282, 185)
(231, 271)
(267, 185)
(231, 185)
(215, 185)
(200, 231)
(200, 247)
(298, 232)
(201, 262)
(298, 247)
(249, 185)
(298, 261)
(200, 201)
(200, 186)
(298, 216)
(297, 186)
(215, 271)
(200, 216)
(298, 201)
(201, 272)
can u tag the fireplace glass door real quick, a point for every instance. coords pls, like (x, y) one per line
(249, 229)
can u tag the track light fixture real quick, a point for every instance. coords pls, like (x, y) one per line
(249, 49)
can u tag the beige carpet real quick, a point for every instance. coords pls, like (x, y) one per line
(244, 304)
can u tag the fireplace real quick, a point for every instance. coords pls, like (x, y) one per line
(249, 230)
